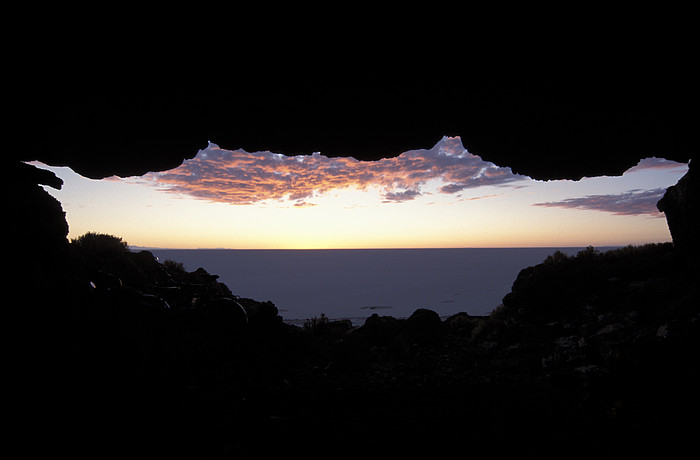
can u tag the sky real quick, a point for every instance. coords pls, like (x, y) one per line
(441, 197)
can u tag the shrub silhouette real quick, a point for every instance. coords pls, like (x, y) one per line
(103, 256)
(100, 243)
(175, 267)
(589, 253)
(317, 325)
(556, 258)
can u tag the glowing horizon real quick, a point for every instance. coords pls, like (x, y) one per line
(441, 197)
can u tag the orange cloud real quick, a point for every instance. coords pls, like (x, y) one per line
(240, 177)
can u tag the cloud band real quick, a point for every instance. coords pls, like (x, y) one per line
(239, 177)
(630, 203)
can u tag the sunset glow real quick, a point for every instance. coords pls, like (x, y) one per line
(438, 197)
(239, 177)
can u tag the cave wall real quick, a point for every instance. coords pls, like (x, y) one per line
(681, 205)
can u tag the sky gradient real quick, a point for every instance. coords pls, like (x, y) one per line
(438, 197)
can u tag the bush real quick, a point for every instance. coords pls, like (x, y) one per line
(100, 243)
(556, 258)
(174, 267)
(99, 255)
(589, 253)
(316, 325)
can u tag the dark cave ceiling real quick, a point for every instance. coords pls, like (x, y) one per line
(550, 125)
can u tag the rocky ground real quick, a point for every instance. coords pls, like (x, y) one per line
(588, 355)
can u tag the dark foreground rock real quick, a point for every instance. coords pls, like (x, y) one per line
(589, 355)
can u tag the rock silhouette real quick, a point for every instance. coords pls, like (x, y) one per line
(596, 351)
(680, 205)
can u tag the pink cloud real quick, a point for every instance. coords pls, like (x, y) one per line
(657, 163)
(406, 195)
(240, 177)
(631, 203)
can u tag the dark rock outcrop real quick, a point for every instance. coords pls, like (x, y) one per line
(37, 222)
(681, 204)
(596, 351)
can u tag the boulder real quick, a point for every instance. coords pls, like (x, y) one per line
(424, 326)
(259, 310)
(380, 330)
(339, 328)
(462, 324)
(226, 313)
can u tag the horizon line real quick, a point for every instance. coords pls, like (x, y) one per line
(149, 248)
